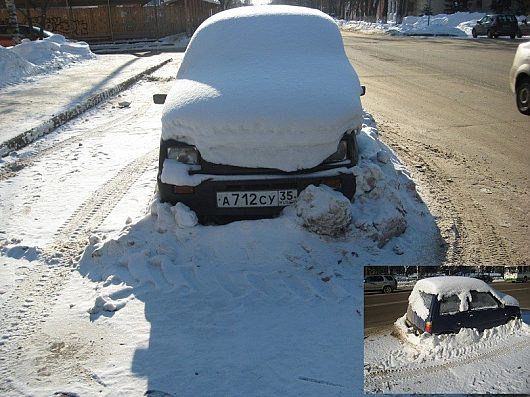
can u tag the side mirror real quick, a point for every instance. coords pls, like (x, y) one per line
(363, 90)
(479, 23)
(159, 99)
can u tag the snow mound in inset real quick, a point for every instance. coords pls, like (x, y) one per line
(428, 347)
(275, 83)
(323, 210)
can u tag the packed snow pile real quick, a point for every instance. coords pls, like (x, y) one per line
(385, 192)
(456, 25)
(13, 67)
(425, 348)
(462, 363)
(275, 83)
(32, 58)
(324, 210)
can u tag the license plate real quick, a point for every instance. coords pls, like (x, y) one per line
(262, 198)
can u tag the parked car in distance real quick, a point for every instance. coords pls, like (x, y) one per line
(495, 25)
(25, 31)
(381, 283)
(253, 118)
(524, 27)
(447, 304)
(484, 277)
(520, 78)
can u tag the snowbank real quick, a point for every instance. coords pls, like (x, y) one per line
(455, 25)
(442, 346)
(33, 58)
(275, 83)
(324, 210)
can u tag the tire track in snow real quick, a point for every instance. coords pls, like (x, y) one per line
(10, 170)
(29, 303)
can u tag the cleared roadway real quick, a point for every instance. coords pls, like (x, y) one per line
(444, 105)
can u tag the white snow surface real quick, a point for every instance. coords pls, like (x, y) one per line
(456, 25)
(492, 361)
(264, 86)
(161, 303)
(33, 58)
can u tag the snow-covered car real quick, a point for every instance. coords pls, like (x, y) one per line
(25, 32)
(447, 304)
(520, 78)
(385, 283)
(496, 25)
(265, 104)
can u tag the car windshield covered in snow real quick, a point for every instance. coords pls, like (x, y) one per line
(282, 104)
(447, 304)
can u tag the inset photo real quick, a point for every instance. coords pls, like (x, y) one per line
(446, 329)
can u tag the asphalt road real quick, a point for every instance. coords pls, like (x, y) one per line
(445, 107)
(381, 310)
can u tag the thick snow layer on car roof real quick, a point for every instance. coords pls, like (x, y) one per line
(452, 285)
(264, 86)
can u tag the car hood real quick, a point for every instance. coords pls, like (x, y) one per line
(264, 87)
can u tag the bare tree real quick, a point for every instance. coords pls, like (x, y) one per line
(12, 23)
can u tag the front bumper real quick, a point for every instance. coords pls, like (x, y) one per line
(203, 199)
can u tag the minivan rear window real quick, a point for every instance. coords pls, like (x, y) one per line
(427, 299)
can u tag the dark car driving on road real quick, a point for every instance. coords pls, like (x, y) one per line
(495, 25)
(447, 304)
(381, 283)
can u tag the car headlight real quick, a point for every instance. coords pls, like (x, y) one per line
(340, 155)
(183, 154)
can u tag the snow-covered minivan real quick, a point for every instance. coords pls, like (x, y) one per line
(447, 304)
(265, 104)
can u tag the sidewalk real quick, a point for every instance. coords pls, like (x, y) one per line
(31, 110)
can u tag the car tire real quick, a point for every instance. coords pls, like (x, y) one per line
(512, 36)
(522, 96)
(489, 33)
(387, 289)
(519, 33)
(525, 279)
(474, 33)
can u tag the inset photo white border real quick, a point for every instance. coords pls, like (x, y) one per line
(478, 318)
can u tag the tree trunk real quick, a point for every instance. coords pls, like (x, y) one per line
(12, 23)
